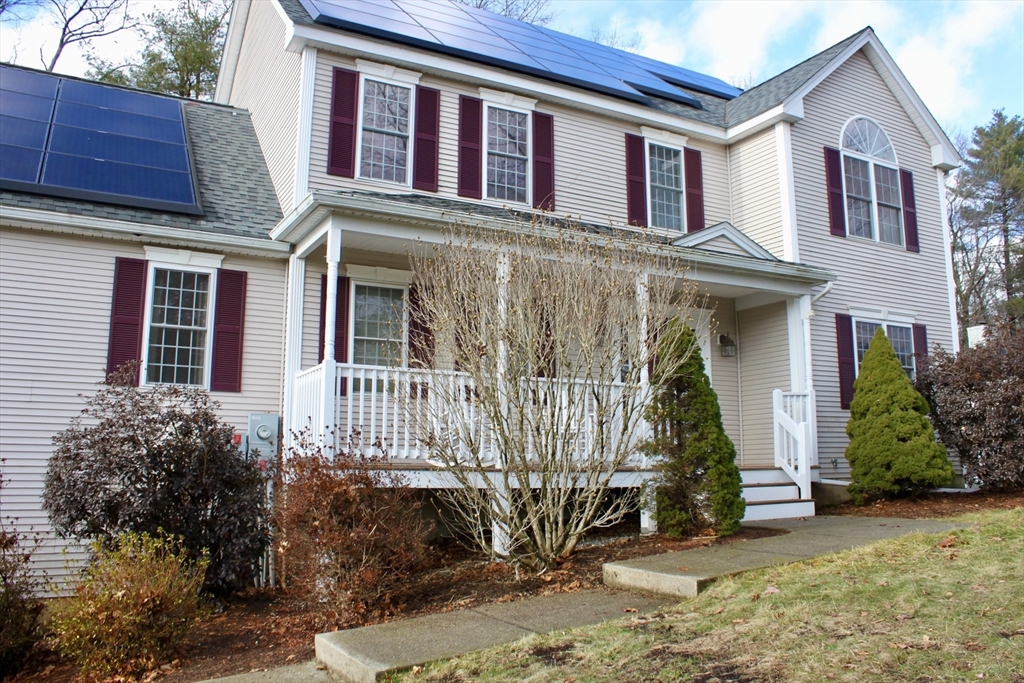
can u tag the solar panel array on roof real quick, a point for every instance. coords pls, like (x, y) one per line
(455, 29)
(88, 141)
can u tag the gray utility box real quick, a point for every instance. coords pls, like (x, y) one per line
(264, 438)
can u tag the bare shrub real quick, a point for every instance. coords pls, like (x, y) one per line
(159, 458)
(977, 401)
(350, 531)
(544, 335)
(131, 607)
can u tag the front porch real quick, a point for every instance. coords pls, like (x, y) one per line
(763, 381)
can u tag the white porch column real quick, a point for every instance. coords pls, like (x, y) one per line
(330, 320)
(797, 344)
(293, 344)
(648, 523)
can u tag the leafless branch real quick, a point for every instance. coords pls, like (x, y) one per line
(81, 21)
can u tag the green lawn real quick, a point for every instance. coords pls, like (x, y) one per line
(925, 607)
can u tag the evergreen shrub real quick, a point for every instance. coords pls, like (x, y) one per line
(892, 450)
(699, 484)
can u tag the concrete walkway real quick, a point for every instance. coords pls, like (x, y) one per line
(685, 573)
(365, 655)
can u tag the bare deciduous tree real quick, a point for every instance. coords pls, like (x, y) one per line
(613, 35)
(532, 11)
(16, 10)
(81, 21)
(552, 331)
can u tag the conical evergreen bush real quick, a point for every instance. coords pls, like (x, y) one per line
(892, 450)
(699, 485)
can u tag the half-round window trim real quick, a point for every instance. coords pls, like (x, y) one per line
(895, 163)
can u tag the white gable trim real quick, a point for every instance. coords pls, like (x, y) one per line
(232, 48)
(730, 232)
(944, 155)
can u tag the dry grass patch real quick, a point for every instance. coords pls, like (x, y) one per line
(923, 608)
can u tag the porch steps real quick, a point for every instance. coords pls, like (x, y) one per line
(771, 494)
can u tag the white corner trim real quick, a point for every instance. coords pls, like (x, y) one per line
(940, 176)
(388, 71)
(378, 274)
(304, 143)
(507, 99)
(882, 315)
(787, 191)
(663, 137)
(183, 257)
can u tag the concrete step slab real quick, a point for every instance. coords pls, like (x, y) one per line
(758, 493)
(365, 655)
(778, 509)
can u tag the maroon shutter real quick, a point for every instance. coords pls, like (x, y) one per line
(909, 210)
(636, 181)
(341, 142)
(340, 320)
(847, 367)
(428, 123)
(694, 177)
(421, 337)
(543, 161)
(228, 328)
(127, 311)
(834, 181)
(470, 147)
(920, 341)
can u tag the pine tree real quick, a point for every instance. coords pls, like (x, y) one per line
(892, 449)
(699, 486)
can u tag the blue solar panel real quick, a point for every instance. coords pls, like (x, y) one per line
(467, 32)
(89, 141)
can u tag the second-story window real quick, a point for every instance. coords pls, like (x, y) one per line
(508, 154)
(385, 141)
(666, 167)
(871, 183)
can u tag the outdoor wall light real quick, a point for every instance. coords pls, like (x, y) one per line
(728, 345)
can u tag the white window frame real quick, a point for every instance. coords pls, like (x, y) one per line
(388, 75)
(387, 284)
(884, 321)
(186, 262)
(663, 138)
(493, 99)
(872, 162)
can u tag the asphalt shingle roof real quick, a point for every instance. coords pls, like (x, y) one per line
(235, 190)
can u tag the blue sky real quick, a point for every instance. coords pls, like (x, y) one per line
(965, 58)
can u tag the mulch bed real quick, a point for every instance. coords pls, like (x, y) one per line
(930, 505)
(261, 630)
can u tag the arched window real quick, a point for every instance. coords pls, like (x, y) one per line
(871, 183)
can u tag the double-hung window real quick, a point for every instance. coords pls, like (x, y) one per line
(871, 183)
(900, 336)
(508, 154)
(378, 334)
(179, 327)
(666, 186)
(384, 148)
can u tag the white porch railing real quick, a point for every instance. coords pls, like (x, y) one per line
(380, 409)
(795, 436)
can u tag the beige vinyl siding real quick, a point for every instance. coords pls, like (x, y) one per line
(725, 371)
(267, 83)
(724, 245)
(764, 359)
(55, 295)
(590, 154)
(871, 275)
(756, 195)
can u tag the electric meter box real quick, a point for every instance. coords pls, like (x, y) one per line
(264, 435)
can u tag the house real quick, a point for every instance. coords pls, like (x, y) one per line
(811, 208)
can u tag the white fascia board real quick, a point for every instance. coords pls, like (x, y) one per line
(90, 226)
(232, 48)
(298, 36)
(305, 123)
(757, 299)
(947, 158)
(790, 111)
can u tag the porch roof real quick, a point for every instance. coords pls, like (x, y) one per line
(403, 217)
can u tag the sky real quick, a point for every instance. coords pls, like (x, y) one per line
(964, 58)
